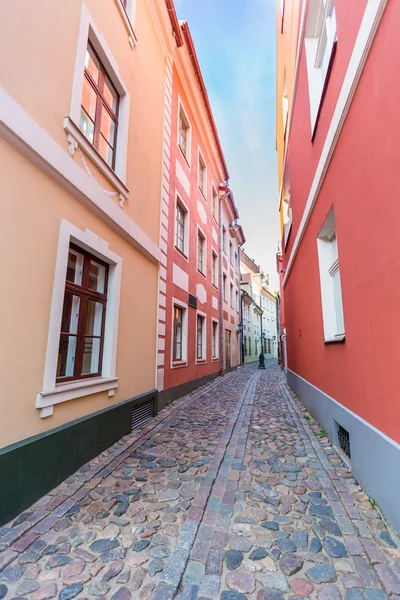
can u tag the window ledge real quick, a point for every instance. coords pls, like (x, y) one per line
(201, 361)
(127, 23)
(184, 156)
(338, 339)
(176, 364)
(202, 193)
(182, 254)
(81, 141)
(69, 391)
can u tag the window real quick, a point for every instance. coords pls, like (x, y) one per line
(180, 241)
(285, 103)
(250, 345)
(83, 317)
(200, 252)
(184, 137)
(287, 210)
(236, 262)
(214, 269)
(224, 239)
(215, 339)
(245, 344)
(178, 333)
(99, 108)
(201, 343)
(214, 206)
(230, 252)
(231, 296)
(269, 346)
(255, 346)
(331, 291)
(237, 301)
(225, 290)
(202, 175)
(320, 45)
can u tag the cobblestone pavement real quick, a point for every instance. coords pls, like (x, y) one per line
(227, 494)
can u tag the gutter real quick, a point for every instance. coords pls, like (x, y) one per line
(174, 22)
(221, 290)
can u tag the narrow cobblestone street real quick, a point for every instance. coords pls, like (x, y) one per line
(228, 493)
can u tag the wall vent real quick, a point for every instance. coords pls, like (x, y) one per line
(142, 413)
(344, 440)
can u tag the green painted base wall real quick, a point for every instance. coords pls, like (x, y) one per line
(31, 468)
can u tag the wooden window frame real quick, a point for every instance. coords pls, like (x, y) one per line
(199, 338)
(85, 294)
(180, 224)
(101, 104)
(177, 325)
(200, 252)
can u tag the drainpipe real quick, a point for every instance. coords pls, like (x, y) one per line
(221, 291)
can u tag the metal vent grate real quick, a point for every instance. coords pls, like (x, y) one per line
(344, 440)
(142, 413)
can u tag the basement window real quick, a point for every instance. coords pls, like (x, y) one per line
(344, 440)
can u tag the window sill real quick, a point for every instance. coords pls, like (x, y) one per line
(181, 253)
(184, 156)
(69, 391)
(202, 193)
(92, 153)
(177, 364)
(215, 359)
(127, 22)
(201, 273)
(338, 339)
(215, 286)
(201, 361)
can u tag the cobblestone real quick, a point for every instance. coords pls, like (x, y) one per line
(227, 494)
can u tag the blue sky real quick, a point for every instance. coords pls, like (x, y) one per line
(235, 45)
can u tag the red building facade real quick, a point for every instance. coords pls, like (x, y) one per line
(197, 208)
(340, 243)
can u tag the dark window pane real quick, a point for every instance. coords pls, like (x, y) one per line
(91, 355)
(97, 277)
(66, 356)
(75, 267)
(94, 317)
(70, 314)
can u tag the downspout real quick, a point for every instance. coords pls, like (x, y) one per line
(221, 291)
(240, 308)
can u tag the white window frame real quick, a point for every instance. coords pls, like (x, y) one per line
(201, 232)
(287, 210)
(231, 296)
(237, 301)
(89, 32)
(214, 213)
(215, 322)
(225, 287)
(188, 155)
(224, 239)
(320, 40)
(53, 393)
(332, 307)
(128, 16)
(185, 253)
(184, 361)
(204, 337)
(214, 254)
(200, 160)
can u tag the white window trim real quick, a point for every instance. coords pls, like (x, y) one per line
(53, 393)
(216, 357)
(204, 272)
(200, 158)
(329, 315)
(175, 364)
(203, 358)
(128, 17)
(225, 280)
(231, 295)
(185, 254)
(89, 31)
(214, 252)
(214, 189)
(188, 156)
(317, 71)
(287, 209)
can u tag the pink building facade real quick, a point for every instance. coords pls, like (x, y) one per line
(198, 284)
(340, 240)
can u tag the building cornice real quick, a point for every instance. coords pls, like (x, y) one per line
(29, 138)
